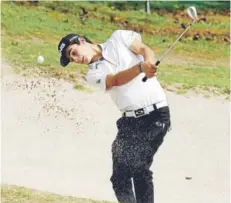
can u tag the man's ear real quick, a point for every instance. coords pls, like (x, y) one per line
(82, 40)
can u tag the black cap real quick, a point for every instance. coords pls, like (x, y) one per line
(63, 44)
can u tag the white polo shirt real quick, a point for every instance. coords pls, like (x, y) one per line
(118, 57)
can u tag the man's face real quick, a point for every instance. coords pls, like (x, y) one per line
(79, 53)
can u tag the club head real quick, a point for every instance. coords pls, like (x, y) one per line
(192, 12)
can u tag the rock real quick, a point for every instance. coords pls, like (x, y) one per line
(226, 39)
(196, 37)
(183, 25)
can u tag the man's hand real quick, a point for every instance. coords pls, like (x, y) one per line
(148, 66)
(149, 69)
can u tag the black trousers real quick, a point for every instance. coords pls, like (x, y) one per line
(137, 141)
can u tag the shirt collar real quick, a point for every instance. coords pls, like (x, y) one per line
(105, 52)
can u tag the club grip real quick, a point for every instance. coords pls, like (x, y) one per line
(145, 78)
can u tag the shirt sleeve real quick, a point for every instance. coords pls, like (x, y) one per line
(97, 79)
(96, 76)
(126, 36)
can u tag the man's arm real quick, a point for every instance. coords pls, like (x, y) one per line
(140, 48)
(148, 67)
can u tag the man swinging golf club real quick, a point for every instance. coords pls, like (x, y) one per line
(117, 66)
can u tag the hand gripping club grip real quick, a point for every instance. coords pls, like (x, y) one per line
(145, 78)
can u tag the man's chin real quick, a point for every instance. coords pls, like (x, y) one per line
(87, 61)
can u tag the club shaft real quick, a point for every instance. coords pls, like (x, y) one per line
(176, 41)
(173, 44)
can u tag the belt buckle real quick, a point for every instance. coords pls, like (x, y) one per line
(139, 112)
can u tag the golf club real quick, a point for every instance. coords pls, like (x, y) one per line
(192, 13)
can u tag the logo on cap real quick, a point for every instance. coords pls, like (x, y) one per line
(73, 38)
(62, 47)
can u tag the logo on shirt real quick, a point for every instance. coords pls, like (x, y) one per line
(98, 81)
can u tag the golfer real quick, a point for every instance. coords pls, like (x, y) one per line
(117, 66)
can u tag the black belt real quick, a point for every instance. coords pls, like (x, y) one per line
(145, 110)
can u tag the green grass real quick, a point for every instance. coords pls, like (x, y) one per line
(170, 6)
(29, 31)
(16, 194)
(203, 49)
(195, 77)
